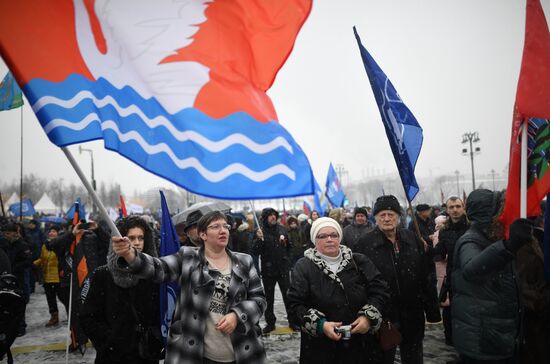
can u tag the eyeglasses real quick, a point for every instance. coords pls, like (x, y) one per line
(333, 236)
(218, 227)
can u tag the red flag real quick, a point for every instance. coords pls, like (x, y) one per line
(532, 107)
(123, 207)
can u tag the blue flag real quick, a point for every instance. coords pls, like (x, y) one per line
(403, 131)
(27, 208)
(321, 204)
(81, 210)
(10, 93)
(169, 244)
(334, 192)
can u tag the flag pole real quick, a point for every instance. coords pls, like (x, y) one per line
(102, 212)
(523, 170)
(254, 215)
(2, 204)
(21, 177)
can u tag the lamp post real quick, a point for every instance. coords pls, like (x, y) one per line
(80, 150)
(471, 138)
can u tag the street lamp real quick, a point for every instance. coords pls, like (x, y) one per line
(471, 138)
(80, 150)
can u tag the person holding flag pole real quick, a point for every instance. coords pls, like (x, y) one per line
(400, 256)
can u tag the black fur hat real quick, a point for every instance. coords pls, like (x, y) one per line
(387, 202)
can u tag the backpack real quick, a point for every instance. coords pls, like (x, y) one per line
(12, 309)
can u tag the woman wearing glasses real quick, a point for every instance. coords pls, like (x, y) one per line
(337, 297)
(221, 299)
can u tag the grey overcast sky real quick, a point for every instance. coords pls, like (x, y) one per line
(454, 63)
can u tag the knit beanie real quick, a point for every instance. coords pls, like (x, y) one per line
(324, 222)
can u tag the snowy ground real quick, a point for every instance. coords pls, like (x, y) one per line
(44, 345)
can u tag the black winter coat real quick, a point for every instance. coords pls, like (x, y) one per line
(448, 236)
(108, 319)
(353, 232)
(406, 273)
(276, 253)
(20, 257)
(95, 245)
(316, 293)
(486, 311)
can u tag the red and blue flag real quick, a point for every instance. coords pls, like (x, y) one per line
(177, 87)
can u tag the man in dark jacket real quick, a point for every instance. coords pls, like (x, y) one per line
(400, 256)
(360, 226)
(36, 238)
(272, 244)
(73, 248)
(20, 257)
(425, 221)
(455, 226)
(486, 309)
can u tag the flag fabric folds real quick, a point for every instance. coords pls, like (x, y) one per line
(334, 191)
(169, 244)
(123, 211)
(403, 131)
(320, 202)
(10, 93)
(23, 208)
(306, 207)
(533, 108)
(177, 87)
(71, 211)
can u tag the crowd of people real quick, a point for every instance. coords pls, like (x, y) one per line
(359, 285)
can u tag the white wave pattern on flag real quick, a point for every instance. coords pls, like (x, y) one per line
(213, 146)
(194, 162)
(233, 157)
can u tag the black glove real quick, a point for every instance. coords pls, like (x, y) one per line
(521, 232)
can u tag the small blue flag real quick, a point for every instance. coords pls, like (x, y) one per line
(334, 192)
(81, 210)
(27, 208)
(403, 131)
(169, 244)
(10, 93)
(321, 204)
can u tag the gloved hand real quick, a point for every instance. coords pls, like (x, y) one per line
(521, 233)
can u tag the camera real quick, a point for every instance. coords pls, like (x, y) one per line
(345, 330)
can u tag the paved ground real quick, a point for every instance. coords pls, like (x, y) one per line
(46, 345)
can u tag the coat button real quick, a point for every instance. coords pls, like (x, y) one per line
(195, 316)
(244, 317)
(191, 342)
(246, 347)
(196, 291)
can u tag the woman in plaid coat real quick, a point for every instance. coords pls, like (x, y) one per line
(221, 299)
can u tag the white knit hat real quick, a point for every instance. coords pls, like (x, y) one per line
(324, 222)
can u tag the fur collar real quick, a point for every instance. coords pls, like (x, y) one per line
(313, 255)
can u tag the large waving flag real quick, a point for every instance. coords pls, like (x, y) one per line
(169, 244)
(10, 93)
(177, 87)
(532, 106)
(320, 202)
(403, 131)
(334, 191)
